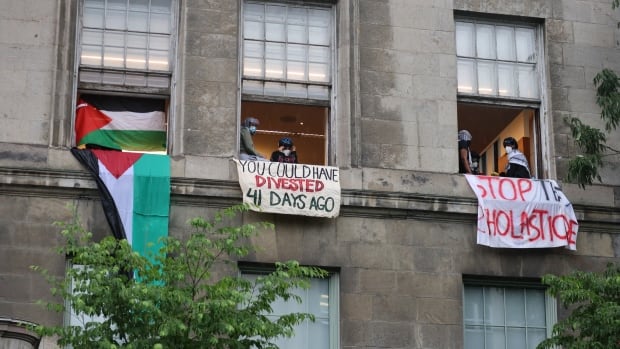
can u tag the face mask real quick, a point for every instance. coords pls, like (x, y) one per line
(252, 130)
(286, 152)
(508, 150)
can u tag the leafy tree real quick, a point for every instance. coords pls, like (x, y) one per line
(594, 301)
(173, 299)
(584, 168)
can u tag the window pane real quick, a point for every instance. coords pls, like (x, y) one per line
(253, 87)
(495, 338)
(297, 53)
(318, 334)
(494, 306)
(536, 308)
(296, 71)
(253, 67)
(297, 33)
(464, 39)
(275, 89)
(90, 76)
(158, 81)
(136, 40)
(528, 87)
(484, 41)
(92, 37)
(93, 18)
(486, 78)
(140, 5)
(253, 49)
(136, 58)
(135, 80)
(473, 307)
(318, 54)
(94, 3)
(505, 43)
(516, 338)
(318, 92)
(162, 6)
(526, 47)
(274, 32)
(318, 36)
(275, 13)
(117, 4)
(158, 60)
(515, 307)
(113, 78)
(160, 23)
(274, 69)
(159, 42)
(297, 15)
(506, 79)
(254, 12)
(466, 76)
(318, 298)
(113, 57)
(534, 337)
(91, 55)
(114, 39)
(318, 72)
(115, 20)
(253, 30)
(474, 337)
(296, 90)
(138, 21)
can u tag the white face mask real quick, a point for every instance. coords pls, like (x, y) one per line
(286, 152)
(508, 150)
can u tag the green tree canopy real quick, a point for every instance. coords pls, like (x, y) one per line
(594, 302)
(173, 299)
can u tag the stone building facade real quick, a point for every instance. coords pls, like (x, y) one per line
(393, 80)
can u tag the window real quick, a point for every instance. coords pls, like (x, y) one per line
(321, 300)
(126, 48)
(287, 75)
(499, 65)
(506, 315)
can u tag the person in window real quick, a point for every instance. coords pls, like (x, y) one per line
(285, 152)
(517, 166)
(464, 139)
(246, 149)
(475, 162)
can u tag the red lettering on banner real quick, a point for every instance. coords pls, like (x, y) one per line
(504, 188)
(290, 184)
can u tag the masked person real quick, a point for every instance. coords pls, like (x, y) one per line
(246, 148)
(517, 166)
(464, 138)
(285, 152)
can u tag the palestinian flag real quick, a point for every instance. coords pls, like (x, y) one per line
(135, 194)
(121, 123)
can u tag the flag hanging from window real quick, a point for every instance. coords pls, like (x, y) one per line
(135, 194)
(121, 123)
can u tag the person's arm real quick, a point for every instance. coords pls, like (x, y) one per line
(465, 159)
(248, 144)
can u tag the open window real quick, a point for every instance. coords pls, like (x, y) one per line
(287, 75)
(500, 79)
(125, 50)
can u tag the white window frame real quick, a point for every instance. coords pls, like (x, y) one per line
(502, 283)
(333, 281)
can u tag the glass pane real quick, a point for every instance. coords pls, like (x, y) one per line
(275, 13)
(253, 30)
(515, 307)
(485, 47)
(318, 298)
(296, 90)
(516, 338)
(140, 5)
(92, 37)
(113, 78)
(94, 3)
(253, 87)
(254, 12)
(505, 43)
(113, 57)
(466, 76)
(297, 33)
(114, 39)
(274, 32)
(473, 305)
(297, 15)
(253, 49)
(115, 20)
(506, 80)
(160, 23)
(318, 36)
(162, 6)
(318, 17)
(90, 76)
(536, 308)
(91, 55)
(135, 80)
(275, 50)
(486, 78)
(474, 337)
(158, 81)
(495, 338)
(464, 39)
(494, 306)
(297, 53)
(253, 67)
(318, 72)
(318, 92)
(274, 69)
(138, 21)
(318, 334)
(527, 77)
(298, 341)
(296, 71)
(136, 40)
(275, 89)
(534, 337)
(136, 58)
(526, 44)
(159, 42)
(93, 18)
(318, 54)
(158, 60)
(117, 4)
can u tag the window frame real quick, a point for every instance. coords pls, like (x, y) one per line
(333, 280)
(329, 103)
(511, 283)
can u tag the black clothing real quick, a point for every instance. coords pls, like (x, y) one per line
(278, 156)
(463, 145)
(517, 171)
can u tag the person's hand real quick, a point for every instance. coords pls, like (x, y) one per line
(280, 148)
(293, 148)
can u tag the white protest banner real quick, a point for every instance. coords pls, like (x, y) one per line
(523, 213)
(297, 189)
